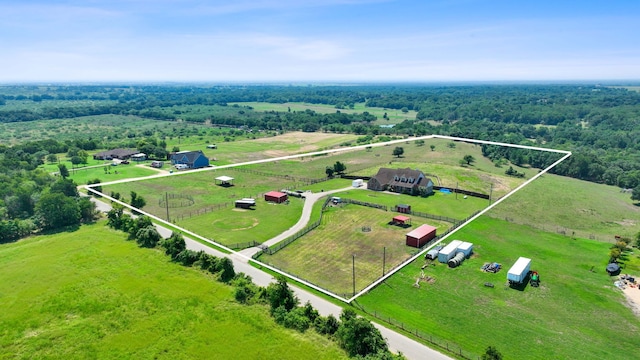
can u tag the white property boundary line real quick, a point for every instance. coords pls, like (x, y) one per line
(359, 147)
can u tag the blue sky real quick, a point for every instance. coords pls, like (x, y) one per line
(321, 41)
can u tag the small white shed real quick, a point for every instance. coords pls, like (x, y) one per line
(449, 251)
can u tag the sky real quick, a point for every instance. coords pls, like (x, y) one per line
(318, 40)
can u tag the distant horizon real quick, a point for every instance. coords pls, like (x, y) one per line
(327, 41)
(301, 83)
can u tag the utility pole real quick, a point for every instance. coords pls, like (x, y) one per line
(166, 204)
(456, 190)
(353, 262)
(384, 259)
(490, 193)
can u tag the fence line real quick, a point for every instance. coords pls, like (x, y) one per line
(442, 344)
(364, 203)
(306, 181)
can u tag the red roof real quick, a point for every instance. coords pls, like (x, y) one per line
(401, 218)
(276, 194)
(422, 231)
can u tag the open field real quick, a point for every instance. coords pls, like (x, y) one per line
(212, 211)
(91, 294)
(560, 204)
(325, 255)
(395, 116)
(574, 314)
(81, 176)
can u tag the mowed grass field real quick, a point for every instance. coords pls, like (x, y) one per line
(576, 313)
(92, 294)
(324, 256)
(394, 116)
(577, 208)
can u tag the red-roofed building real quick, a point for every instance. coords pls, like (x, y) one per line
(276, 197)
(401, 220)
(421, 235)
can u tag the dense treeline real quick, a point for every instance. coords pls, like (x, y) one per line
(600, 125)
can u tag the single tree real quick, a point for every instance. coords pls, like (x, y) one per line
(137, 201)
(398, 151)
(433, 147)
(339, 168)
(66, 187)
(279, 294)
(64, 172)
(56, 210)
(468, 159)
(358, 336)
(491, 354)
(227, 273)
(148, 237)
(88, 212)
(52, 158)
(329, 171)
(174, 245)
(419, 142)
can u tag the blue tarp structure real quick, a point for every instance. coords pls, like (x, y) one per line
(445, 191)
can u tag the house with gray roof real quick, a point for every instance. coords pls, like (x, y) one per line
(193, 159)
(403, 181)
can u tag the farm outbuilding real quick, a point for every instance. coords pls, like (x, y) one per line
(224, 180)
(401, 220)
(449, 251)
(421, 235)
(403, 208)
(245, 203)
(357, 183)
(139, 157)
(276, 197)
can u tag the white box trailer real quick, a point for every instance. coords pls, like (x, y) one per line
(519, 271)
(449, 251)
(466, 248)
(357, 183)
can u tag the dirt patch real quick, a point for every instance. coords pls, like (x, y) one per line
(626, 222)
(299, 137)
(633, 298)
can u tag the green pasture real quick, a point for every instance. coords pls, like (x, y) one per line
(83, 175)
(230, 226)
(212, 204)
(576, 313)
(395, 116)
(325, 255)
(560, 204)
(437, 204)
(91, 294)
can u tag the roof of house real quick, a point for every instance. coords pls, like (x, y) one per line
(191, 156)
(275, 194)
(401, 177)
(421, 231)
(116, 153)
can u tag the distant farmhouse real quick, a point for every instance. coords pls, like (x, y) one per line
(403, 181)
(121, 154)
(193, 159)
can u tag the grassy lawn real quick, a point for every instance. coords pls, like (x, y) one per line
(575, 313)
(560, 204)
(91, 294)
(325, 255)
(229, 226)
(82, 176)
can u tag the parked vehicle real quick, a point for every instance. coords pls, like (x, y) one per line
(519, 271)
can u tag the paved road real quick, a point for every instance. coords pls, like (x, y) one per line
(397, 342)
